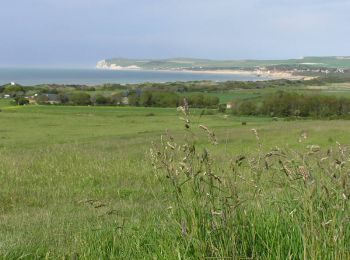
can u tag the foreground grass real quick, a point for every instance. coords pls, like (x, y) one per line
(78, 182)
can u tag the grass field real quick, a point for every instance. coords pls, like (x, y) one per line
(78, 183)
(334, 89)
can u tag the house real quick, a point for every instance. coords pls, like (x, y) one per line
(7, 96)
(32, 100)
(125, 101)
(230, 105)
(48, 99)
(53, 99)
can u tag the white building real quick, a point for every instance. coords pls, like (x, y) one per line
(230, 105)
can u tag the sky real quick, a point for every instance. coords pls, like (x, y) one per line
(78, 33)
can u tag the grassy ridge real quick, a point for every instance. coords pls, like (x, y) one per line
(78, 182)
(176, 63)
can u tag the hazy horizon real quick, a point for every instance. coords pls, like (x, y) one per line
(77, 33)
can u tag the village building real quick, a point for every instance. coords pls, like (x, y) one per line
(32, 100)
(125, 101)
(52, 99)
(230, 105)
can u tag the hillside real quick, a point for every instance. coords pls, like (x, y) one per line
(205, 64)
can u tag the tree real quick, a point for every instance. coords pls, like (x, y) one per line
(80, 99)
(134, 98)
(247, 108)
(10, 89)
(116, 99)
(146, 99)
(20, 101)
(101, 100)
(63, 98)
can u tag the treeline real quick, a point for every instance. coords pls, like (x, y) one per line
(180, 87)
(170, 99)
(205, 86)
(131, 98)
(161, 99)
(287, 104)
(154, 95)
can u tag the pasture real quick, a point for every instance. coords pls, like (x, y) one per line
(78, 183)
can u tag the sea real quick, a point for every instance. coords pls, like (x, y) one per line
(30, 77)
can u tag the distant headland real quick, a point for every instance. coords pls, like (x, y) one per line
(302, 68)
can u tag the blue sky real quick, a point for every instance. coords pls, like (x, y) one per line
(80, 32)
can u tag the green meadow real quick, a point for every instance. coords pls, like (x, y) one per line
(256, 95)
(78, 183)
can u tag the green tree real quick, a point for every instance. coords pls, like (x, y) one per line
(80, 99)
(247, 108)
(101, 100)
(146, 99)
(20, 101)
(10, 89)
(134, 98)
(116, 99)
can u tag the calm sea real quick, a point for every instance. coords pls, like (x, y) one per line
(93, 76)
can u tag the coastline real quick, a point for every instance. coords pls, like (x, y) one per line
(261, 73)
(265, 74)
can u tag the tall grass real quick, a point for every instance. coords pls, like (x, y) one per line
(277, 203)
(75, 183)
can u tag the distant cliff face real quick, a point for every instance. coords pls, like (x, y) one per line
(102, 65)
(145, 64)
(105, 65)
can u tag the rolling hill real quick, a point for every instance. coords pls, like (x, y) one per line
(206, 64)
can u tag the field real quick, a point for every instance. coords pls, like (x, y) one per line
(334, 89)
(78, 183)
